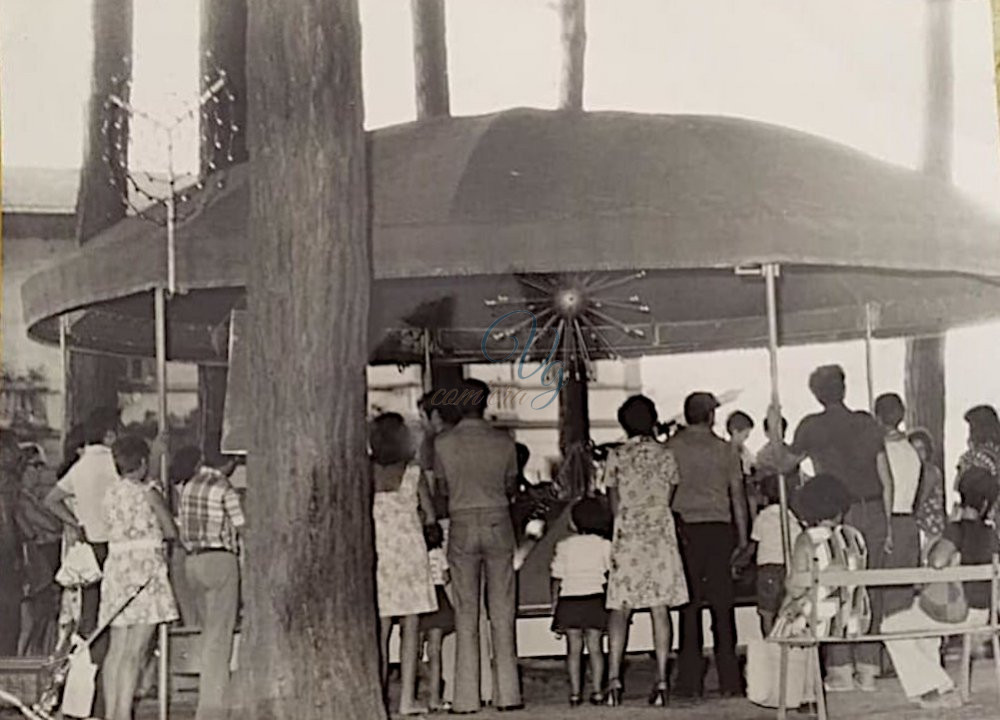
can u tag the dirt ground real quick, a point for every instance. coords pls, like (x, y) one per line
(545, 694)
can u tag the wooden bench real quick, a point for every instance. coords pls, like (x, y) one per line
(885, 578)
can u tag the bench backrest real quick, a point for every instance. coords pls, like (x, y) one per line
(907, 576)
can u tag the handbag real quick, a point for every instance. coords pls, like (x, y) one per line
(944, 601)
(763, 675)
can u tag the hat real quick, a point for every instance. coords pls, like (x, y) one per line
(700, 403)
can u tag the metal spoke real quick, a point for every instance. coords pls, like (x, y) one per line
(617, 282)
(618, 324)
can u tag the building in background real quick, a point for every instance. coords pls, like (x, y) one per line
(39, 228)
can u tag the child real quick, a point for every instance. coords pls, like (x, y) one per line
(434, 626)
(766, 533)
(579, 574)
(739, 425)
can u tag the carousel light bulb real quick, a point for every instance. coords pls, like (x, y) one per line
(569, 302)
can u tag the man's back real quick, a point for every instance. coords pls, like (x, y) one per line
(88, 480)
(845, 444)
(210, 512)
(707, 466)
(478, 464)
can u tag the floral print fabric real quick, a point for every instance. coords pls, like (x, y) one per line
(646, 566)
(135, 555)
(403, 573)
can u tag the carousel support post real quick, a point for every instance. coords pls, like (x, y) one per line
(428, 374)
(870, 319)
(160, 310)
(64, 379)
(771, 272)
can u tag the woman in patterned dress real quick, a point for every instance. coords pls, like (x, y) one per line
(646, 568)
(403, 576)
(138, 524)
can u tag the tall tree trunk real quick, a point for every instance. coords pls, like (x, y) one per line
(574, 411)
(93, 379)
(223, 47)
(430, 76)
(311, 649)
(573, 14)
(925, 386)
(430, 58)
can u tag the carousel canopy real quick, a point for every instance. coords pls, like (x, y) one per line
(550, 211)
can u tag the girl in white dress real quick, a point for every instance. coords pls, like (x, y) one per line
(403, 577)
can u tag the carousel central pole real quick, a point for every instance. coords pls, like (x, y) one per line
(160, 320)
(771, 272)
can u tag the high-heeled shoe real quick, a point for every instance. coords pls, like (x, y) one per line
(575, 700)
(614, 694)
(597, 698)
(660, 695)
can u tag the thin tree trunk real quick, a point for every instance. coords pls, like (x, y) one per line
(430, 58)
(211, 405)
(223, 47)
(311, 650)
(574, 45)
(925, 386)
(93, 379)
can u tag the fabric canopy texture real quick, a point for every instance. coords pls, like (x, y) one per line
(463, 208)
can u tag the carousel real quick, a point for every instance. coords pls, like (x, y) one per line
(621, 234)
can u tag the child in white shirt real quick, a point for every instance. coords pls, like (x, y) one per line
(766, 533)
(579, 576)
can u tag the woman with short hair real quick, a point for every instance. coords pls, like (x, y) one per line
(646, 568)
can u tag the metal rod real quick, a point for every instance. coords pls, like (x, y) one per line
(428, 375)
(64, 370)
(774, 412)
(171, 218)
(869, 356)
(160, 311)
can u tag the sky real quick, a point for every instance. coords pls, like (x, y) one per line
(850, 70)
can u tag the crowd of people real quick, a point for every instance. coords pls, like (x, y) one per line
(106, 506)
(674, 517)
(671, 523)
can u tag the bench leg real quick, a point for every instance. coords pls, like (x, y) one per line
(965, 678)
(818, 677)
(783, 683)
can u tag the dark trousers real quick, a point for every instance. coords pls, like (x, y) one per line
(706, 549)
(90, 607)
(11, 585)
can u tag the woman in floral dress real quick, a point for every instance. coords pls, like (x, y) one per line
(138, 524)
(646, 568)
(403, 579)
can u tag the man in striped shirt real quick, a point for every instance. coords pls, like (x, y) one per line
(210, 520)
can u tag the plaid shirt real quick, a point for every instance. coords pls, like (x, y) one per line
(210, 512)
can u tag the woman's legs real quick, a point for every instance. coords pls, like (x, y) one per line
(130, 664)
(662, 636)
(595, 651)
(408, 648)
(617, 640)
(435, 638)
(111, 668)
(574, 654)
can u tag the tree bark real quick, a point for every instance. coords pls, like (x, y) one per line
(925, 385)
(430, 59)
(574, 45)
(93, 379)
(224, 47)
(311, 649)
